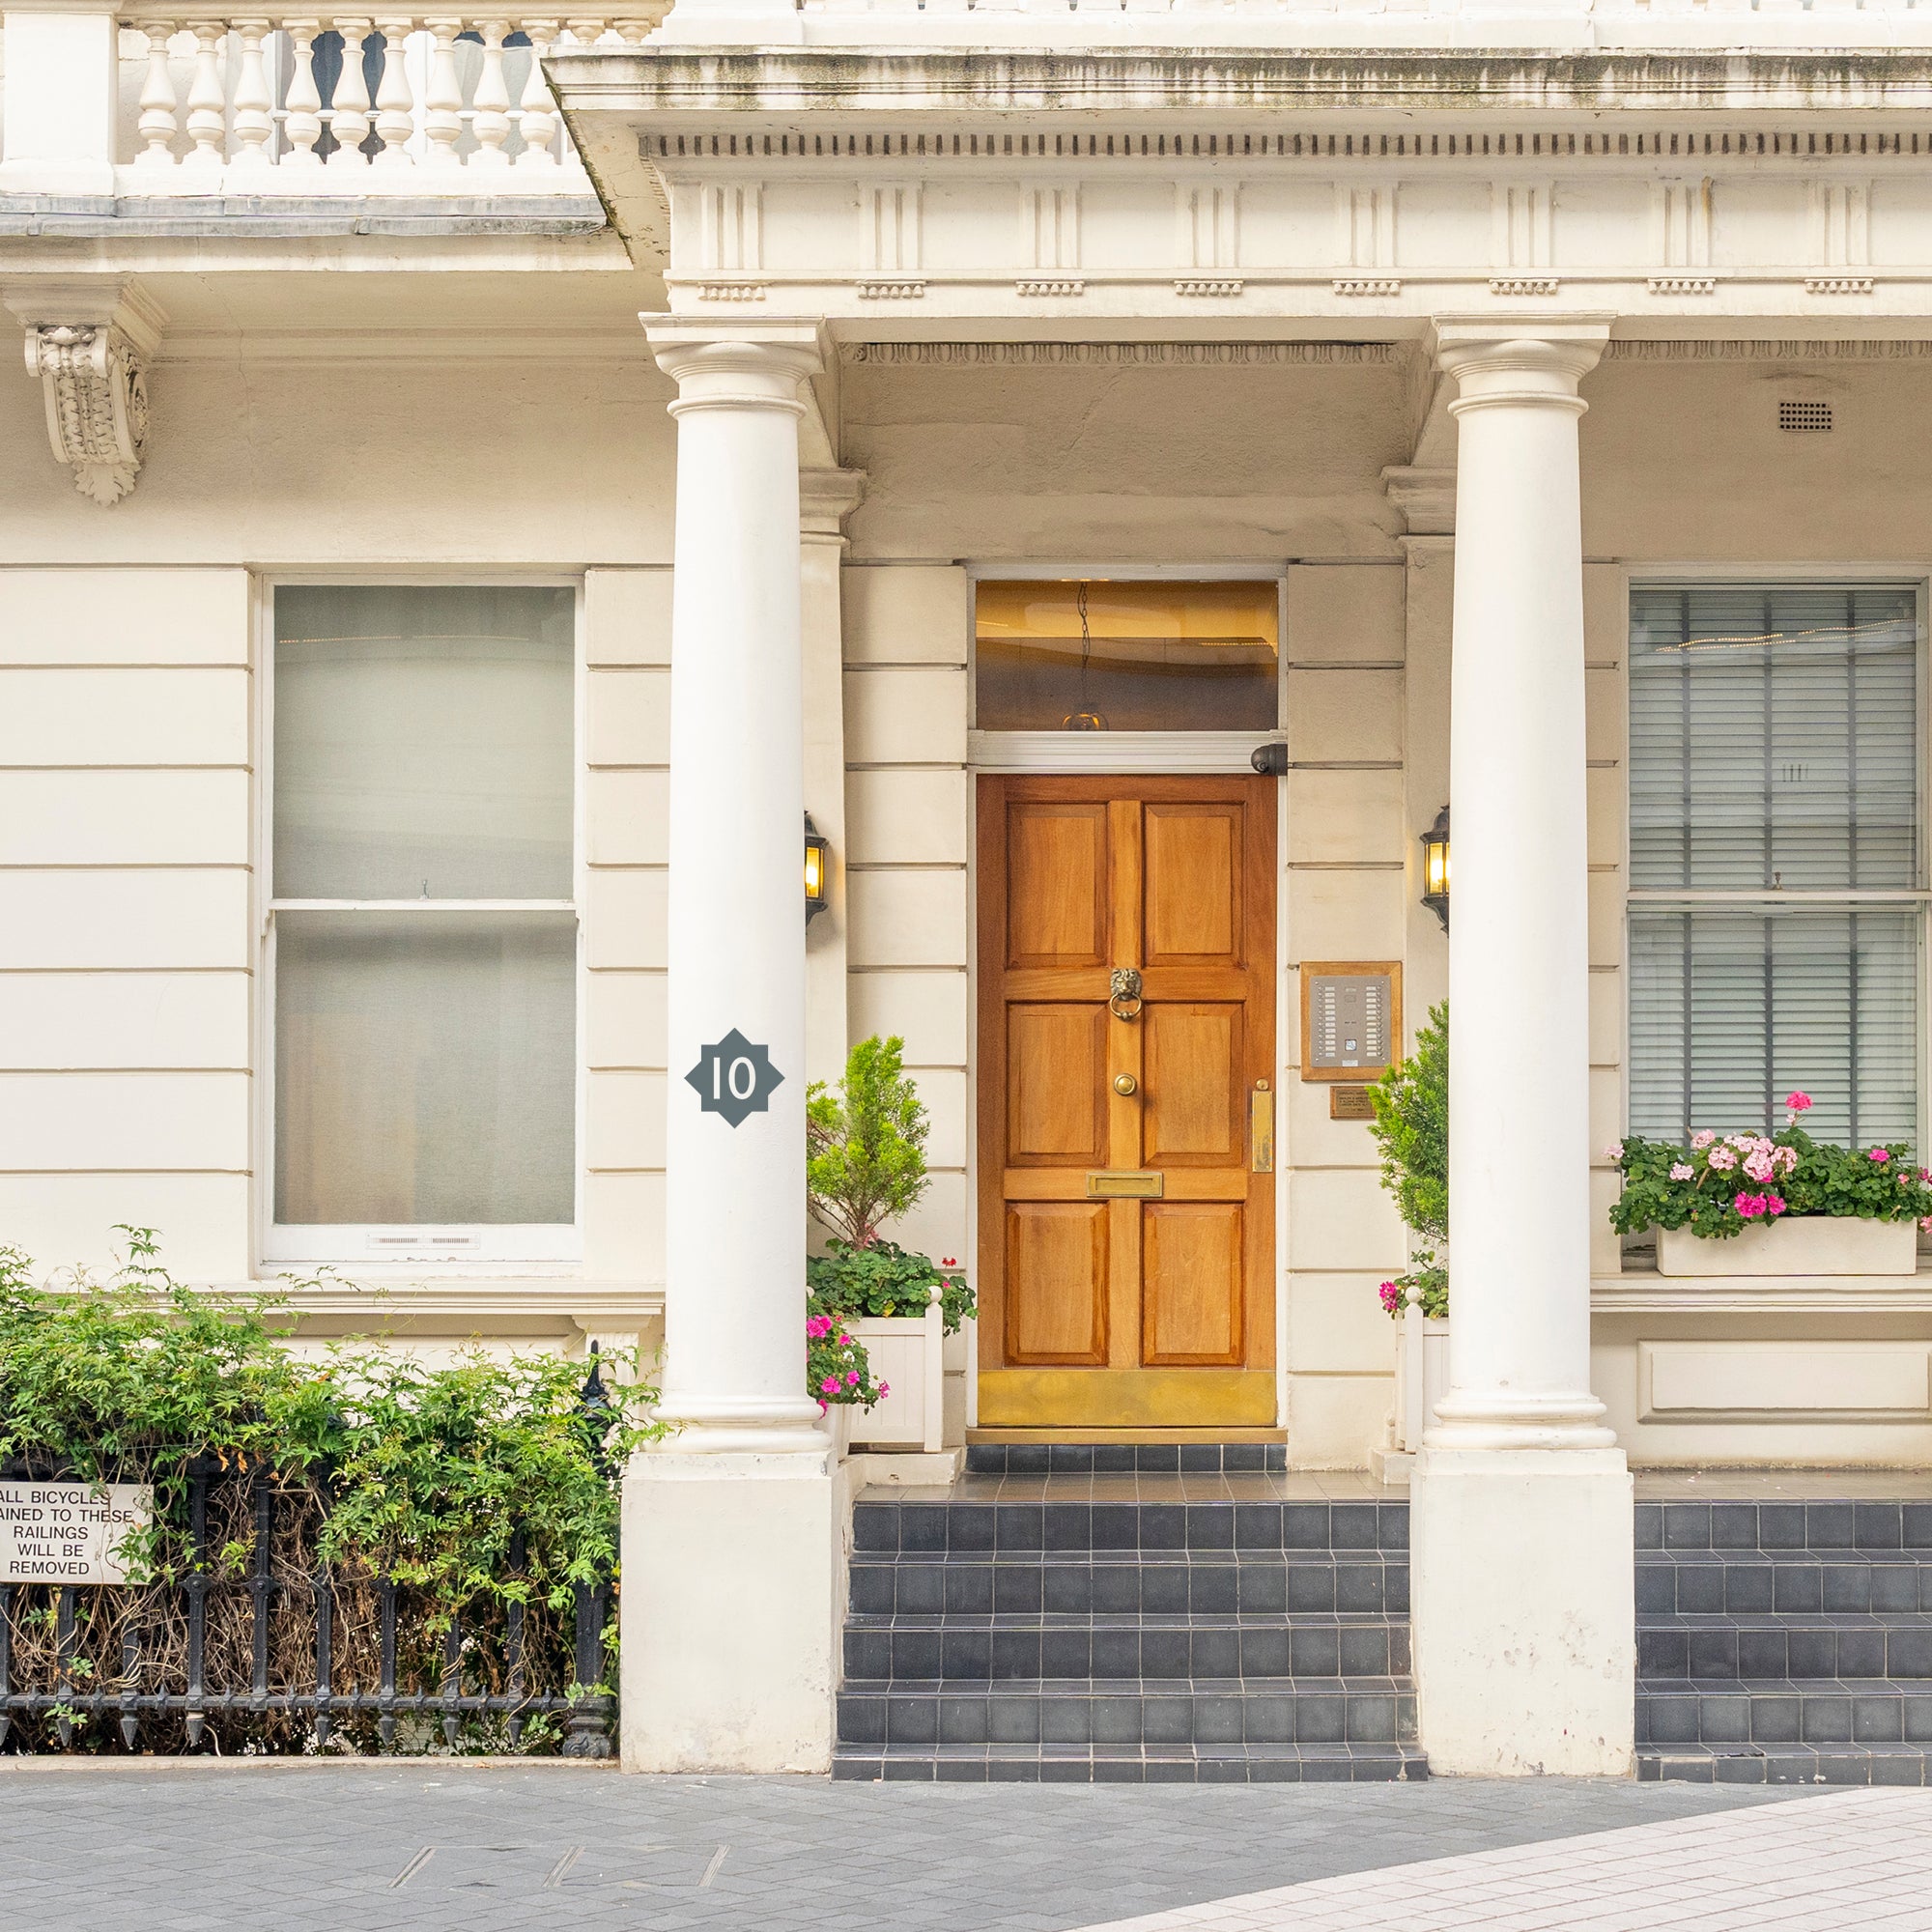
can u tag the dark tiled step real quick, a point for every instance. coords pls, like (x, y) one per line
(1800, 1644)
(1124, 1459)
(1120, 1583)
(1784, 1764)
(1125, 1647)
(1729, 1582)
(1807, 1523)
(881, 1526)
(1772, 1712)
(1263, 1764)
(1086, 1712)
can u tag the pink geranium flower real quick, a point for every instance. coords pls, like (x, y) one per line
(1703, 1137)
(1752, 1207)
(1878, 1153)
(1722, 1159)
(1391, 1296)
(1786, 1159)
(1798, 1102)
(1758, 1164)
(829, 1386)
(1682, 1170)
(1614, 1151)
(1774, 1204)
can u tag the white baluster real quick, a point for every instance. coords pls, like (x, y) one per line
(349, 117)
(586, 33)
(442, 99)
(301, 125)
(395, 105)
(490, 119)
(254, 101)
(538, 121)
(158, 123)
(207, 100)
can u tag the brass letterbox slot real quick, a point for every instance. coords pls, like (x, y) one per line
(1261, 1128)
(1124, 1184)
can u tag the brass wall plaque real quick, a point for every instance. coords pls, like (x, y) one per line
(1124, 1184)
(1349, 1103)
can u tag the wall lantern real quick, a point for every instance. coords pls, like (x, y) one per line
(816, 845)
(1435, 868)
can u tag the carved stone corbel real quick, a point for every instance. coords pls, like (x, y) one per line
(90, 344)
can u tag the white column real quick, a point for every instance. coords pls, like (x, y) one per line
(1522, 1562)
(729, 1524)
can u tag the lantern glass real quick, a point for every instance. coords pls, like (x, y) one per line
(815, 847)
(1435, 868)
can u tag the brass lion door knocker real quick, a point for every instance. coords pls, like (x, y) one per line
(1123, 997)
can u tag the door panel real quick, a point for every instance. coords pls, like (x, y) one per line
(1196, 1100)
(1057, 912)
(1192, 1276)
(1057, 1086)
(1057, 1265)
(1147, 1301)
(1194, 884)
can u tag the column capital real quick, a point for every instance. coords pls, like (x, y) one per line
(1518, 361)
(826, 498)
(737, 364)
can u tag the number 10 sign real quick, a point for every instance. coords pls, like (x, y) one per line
(736, 1078)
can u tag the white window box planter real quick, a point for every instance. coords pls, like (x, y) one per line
(1801, 1244)
(1421, 1376)
(908, 1355)
(836, 1426)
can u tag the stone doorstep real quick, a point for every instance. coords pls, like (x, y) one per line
(883, 1526)
(1875, 1527)
(1784, 1764)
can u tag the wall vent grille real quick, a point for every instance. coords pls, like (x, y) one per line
(1804, 418)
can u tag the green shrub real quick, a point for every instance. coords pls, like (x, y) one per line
(1412, 1128)
(865, 1144)
(884, 1280)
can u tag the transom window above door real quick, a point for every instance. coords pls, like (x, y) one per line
(1114, 654)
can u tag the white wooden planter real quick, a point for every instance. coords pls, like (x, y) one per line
(836, 1426)
(908, 1355)
(1801, 1244)
(1421, 1376)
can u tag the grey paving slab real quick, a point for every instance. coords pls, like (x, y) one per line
(240, 1848)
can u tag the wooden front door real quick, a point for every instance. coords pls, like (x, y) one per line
(1126, 1198)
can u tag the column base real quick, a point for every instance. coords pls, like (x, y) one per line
(730, 1612)
(1523, 1586)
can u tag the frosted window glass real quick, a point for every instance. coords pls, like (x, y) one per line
(423, 741)
(425, 1067)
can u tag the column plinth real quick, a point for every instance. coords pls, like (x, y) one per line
(1523, 1563)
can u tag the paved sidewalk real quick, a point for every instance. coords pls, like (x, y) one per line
(440, 1847)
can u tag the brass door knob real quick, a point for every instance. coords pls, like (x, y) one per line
(1125, 1084)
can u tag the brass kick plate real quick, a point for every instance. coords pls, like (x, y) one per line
(1124, 1184)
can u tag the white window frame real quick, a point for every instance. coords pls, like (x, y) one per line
(1913, 577)
(1143, 753)
(375, 1250)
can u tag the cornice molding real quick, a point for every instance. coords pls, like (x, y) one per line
(1168, 354)
(90, 344)
(1754, 350)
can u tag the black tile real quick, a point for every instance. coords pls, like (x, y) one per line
(1067, 1653)
(1898, 1586)
(1216, 1653)
(1876, 1720)
(1201, 1459)
(1841, 1586)
(1878, 1525)
(922, 1589)
(1395, 1589)
(969, 1589)
(963, 1720)
(1358, 1586)
(1747, 1588)
(1258, 1526)
(1352, 1525)
(1164, 1589)
(1670, 1718)
(1700, 1587)
(875, 1526)
(1906, 1768)
(908, 1771)
(969, 1526)
(1365, 1651)
(1168, 1719)
(869, 1652)
(1311, 1587)
(985, 1459)
(1714, 1652)
(923, 1526)
(1221, 1770)
(1016, 1589)
(1781, 1525)
(1370, 1717)
(1266, 1653)
(1662, 1653)
(1764, 1652)
(1262, 1589)
(1029, 1459)
(1015, 1653)
(1725, 1720)
(1304, 1526)
(966, 1654)
(1861, 1653)
(1738, 1767)
(1114, 1459)
(1212, 1589)
(1829, 1525)
(1217, 1720)
(1734, 1526)
(1116, 1653)
(1908, 1653)
(1268, 1719)
(862, 1721)
(1168, 1769)
(1072, 1458)
(1687, 1525)
(1166, 1653)
(1069, 1526)
(1656, 1589)
(1066, 1721)
(1244, 1456)
(1163, 1526)
(915, 1653)
(872, 1590)
(1119, 1771)
(1392, 1525)
(1649, 1525)
(1917, 1719)
(1800, 1587)
(1777, 1718)
(1020, 1526)
(1811, 1652)
(1158, 1457)
(1210, 1526)
(1321, 1718)
(1119, 1589)
(1918, 1524)
(1012, 1770)
(1315, 1650)
(1117, 1719)
(1012, 1717)
(1115, 1527)
(912, 1720)
(1826, 1720)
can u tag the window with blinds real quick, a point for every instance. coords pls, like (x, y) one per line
(1774, 852)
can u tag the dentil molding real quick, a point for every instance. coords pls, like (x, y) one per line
(90, 344)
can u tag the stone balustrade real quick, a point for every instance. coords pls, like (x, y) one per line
(423, 102)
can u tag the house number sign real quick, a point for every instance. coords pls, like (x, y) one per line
(735, 1077)
(70, 1532)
